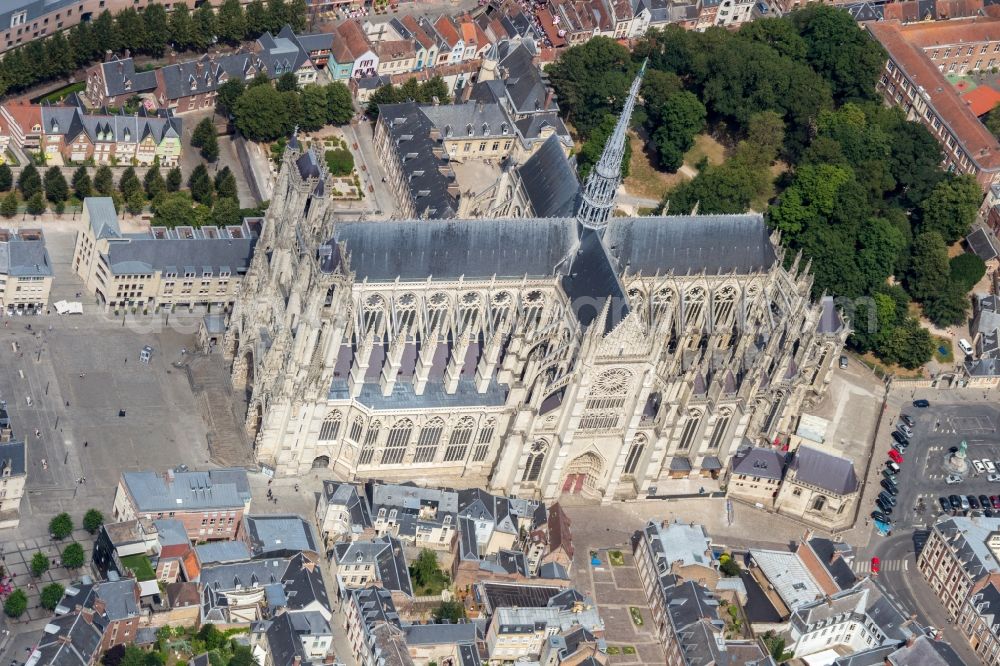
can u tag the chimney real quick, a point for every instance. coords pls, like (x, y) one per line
(549, 94)
(172, 58)
(108, 56)
(128, 54)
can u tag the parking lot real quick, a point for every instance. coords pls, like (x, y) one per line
(923, 477)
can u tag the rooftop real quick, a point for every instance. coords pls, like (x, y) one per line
(188, 491)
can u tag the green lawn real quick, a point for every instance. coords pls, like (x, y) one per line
(140, 566)
(64, 92)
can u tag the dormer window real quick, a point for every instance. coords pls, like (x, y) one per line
(127, 134)
(55, 127)
(194, 82)
(486, 129)
(471, 131)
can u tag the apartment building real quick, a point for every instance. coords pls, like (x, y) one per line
(25, 271)
(755, 475)
(210, 504)
(379, 562)
(162, 268)
(980, 620)
(921, 55)
(960, 556)
(13, 472)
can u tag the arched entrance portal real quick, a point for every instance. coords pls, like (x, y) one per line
(243, 374)
(583, 475)
(255, 418)
(321, 462)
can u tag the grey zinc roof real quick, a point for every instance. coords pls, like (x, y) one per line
(440, 634)
(190, 491)
(13, 453)
(142, 254)
(170, 532)
(830, 320)
(103, 217)
(549, 180)
(222, 552)
(824, 470)
(274, 535)
(925, 651)
(414, 250)
(682, 244)
(473, 120)
(253, 573)
(760, 461)
(25, 258)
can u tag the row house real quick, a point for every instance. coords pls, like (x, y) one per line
(69, 134)
(960, 558)
(351, 55)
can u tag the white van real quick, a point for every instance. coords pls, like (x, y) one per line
(964, 345)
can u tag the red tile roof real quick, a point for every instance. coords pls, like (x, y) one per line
(976, 140)
(982, 100)
(928, 34)
(447, 30)
(559, 532)
(352, 39)
(551, 31)
(418, 31)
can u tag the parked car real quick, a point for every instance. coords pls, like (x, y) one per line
(921, 403)
(952, 479)
(907, 419)
(906, 430)
(990, 467)
(889, 476)
(890, 487)
(896, 457)
(993, 477)
(980, 467)
(893, 466)
(899, 437)
(876, 565)
(888, 498)
(973, 502)
(883, 507)
(899, 447)
(995, 501)
(985, 502)
(964, 345)
(955, 501)
(878, 515)
(945, 504)
(965, 503)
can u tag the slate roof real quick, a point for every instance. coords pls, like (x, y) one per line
(12, 454)
(189, 491)
(347, 495)
(140, 253)
(550, 181)
(592, 284)
(24, 256)
(280, 535)
(71, 121)
(120, 78)
(103, 217)
(824, 470)
(303, 584)
(925, 651)
(760, 461)
(982, 243)
(440, 634)
(500, 595)
(966, 538)
(67, 640)
(222, 552)
(386, 553)
(525, 88)
(283, 642)
(838, 568)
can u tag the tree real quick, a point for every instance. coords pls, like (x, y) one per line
(153, 183)
(181, 27)
(73, 556)
(314, 107)
(104, 181)
(929, 272)
(204, 26)
(592, 80)
(450, 611)
(39, 564)
(56, 189)
(225, 184)
(6, 178)
(201, 185)
(966, 270)
(130, 29)
(766, 133)
(425, 569)
(15, 604)
(204, 129)
(29, 182)
(232, 25)
(51, 596)
(36, 204)
(951, 207)
(262, 114)
(287, 82)
(227, 94)
(840, 51)
(174, 179)
(211, 637)
(92, 521)
(728, 565)
(157, 29)
(277, 15)
(680, 118)
(256, 18)
(296, 15)
(909, 344)
(777, 33)
(226, 212)
(129, 182)
(339, 106)
(135, 202)
(9, 206)
(82, 186)
(173, 210)
(61, 526)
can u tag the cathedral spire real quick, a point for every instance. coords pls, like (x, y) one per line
(597, 200)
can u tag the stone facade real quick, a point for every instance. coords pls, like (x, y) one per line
(535, 357)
